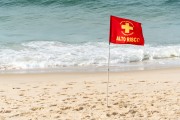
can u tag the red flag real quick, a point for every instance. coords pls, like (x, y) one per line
(125, 31)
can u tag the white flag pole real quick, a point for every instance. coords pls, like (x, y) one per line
(108, 76)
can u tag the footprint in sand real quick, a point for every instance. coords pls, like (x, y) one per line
(35, 86)
(63, 94)
(21, 94)
(57, 116)
(65, 108)
(66, 88)
(88, 86)
(78, 108)
(21, 114)
(17, 88)
(114, 113)
(36, 108)
(85, 97)
(88, 83)
(46, 88)
(53, 105)
(2, 91)
(71, 83)
(15, 108)
(142, 81)
(103, 82)
(108, 115)
(52, 85)
(5, 111)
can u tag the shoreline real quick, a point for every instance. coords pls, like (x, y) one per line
(91, 69)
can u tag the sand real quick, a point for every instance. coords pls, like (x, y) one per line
(134, 95)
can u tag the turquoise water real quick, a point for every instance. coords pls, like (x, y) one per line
(74, 33)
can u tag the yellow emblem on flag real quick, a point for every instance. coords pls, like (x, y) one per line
(127, 28)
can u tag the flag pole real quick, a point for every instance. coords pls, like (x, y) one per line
(108, 76)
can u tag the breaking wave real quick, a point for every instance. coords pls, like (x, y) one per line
(45, 54)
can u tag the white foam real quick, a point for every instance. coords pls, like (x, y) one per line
(45, 54)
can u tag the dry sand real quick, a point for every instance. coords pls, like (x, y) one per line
(135, 95)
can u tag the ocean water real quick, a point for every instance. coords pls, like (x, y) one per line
(73, 34)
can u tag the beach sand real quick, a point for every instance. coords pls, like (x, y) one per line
(133, 95)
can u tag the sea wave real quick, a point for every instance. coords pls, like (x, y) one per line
(105, 3)
(46, 54)
(42, 2)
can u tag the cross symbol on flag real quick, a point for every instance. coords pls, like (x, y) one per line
(127, 27)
